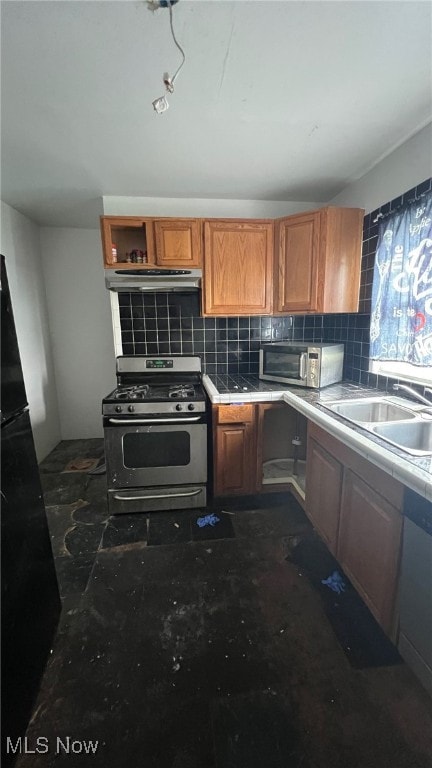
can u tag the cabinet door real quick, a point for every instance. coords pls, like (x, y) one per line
(278, 424)
(323, 493)
(238, 267)
(297, 263)
(178, 242)
(235, 471)
(261, 455)
(127, 233)
(234, 446)
(341, 235)
(369, 546)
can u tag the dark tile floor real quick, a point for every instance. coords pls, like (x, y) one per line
(182, 647)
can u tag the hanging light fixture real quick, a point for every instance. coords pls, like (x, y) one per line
(161, 105)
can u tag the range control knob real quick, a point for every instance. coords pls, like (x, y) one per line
(179, 407)
(191, 407)
(118, 408)
(131, 408)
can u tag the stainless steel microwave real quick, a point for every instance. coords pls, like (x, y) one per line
(305, 364)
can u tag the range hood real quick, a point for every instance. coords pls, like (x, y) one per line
(153, 280)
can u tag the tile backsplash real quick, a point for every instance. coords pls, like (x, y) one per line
(170, 323)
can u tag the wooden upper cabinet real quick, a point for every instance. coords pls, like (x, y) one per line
(165, 242)
(126, 234)
(238, 266)
(317, 261)
(297, 241)
(178, 242)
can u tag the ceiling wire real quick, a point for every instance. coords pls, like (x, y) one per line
(178, 46)
(161, 104)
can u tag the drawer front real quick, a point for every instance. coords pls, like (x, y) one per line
(235, 414)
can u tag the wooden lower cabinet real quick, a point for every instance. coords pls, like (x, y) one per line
(323, 492)
(234, 462)
(247, 438)
(357, 509)
(234, 443)
(369, 546)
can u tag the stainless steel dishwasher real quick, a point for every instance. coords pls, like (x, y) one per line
(415, 630)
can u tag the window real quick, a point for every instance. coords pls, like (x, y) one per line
(403, 371)
(401, 318)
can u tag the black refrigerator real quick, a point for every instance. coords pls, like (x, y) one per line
(29, 592)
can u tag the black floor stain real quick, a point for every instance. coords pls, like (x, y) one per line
(125, 529)
(169, 528)
(255, 731)
(360, 636)
(73, 573)
(177, 652)
(84, 538)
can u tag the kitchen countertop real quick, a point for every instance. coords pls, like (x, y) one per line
(415, 472)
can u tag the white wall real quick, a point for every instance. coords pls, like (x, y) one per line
(201, 208)
(81, 327)
(403, 169)
(20, 245)
(400, 171)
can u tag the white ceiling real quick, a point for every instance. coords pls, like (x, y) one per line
(278, 100)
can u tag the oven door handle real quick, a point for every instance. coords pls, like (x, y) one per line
(155, 421)
(195, 492)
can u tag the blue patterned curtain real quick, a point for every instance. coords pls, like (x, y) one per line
(401, 319)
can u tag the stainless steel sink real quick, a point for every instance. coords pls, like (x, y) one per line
(402, 425)
(375, 409)
(413, 437)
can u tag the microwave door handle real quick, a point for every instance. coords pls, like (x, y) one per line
(303, 361)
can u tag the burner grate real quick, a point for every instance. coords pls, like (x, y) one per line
(138, 391)
(181, 391)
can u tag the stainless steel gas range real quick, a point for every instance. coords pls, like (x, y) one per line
(155, 435)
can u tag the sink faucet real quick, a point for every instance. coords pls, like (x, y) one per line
(411, 391)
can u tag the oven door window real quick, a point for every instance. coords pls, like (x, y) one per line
(156, 449)
(288, 365)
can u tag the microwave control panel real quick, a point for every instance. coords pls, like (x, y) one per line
(313, 368)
